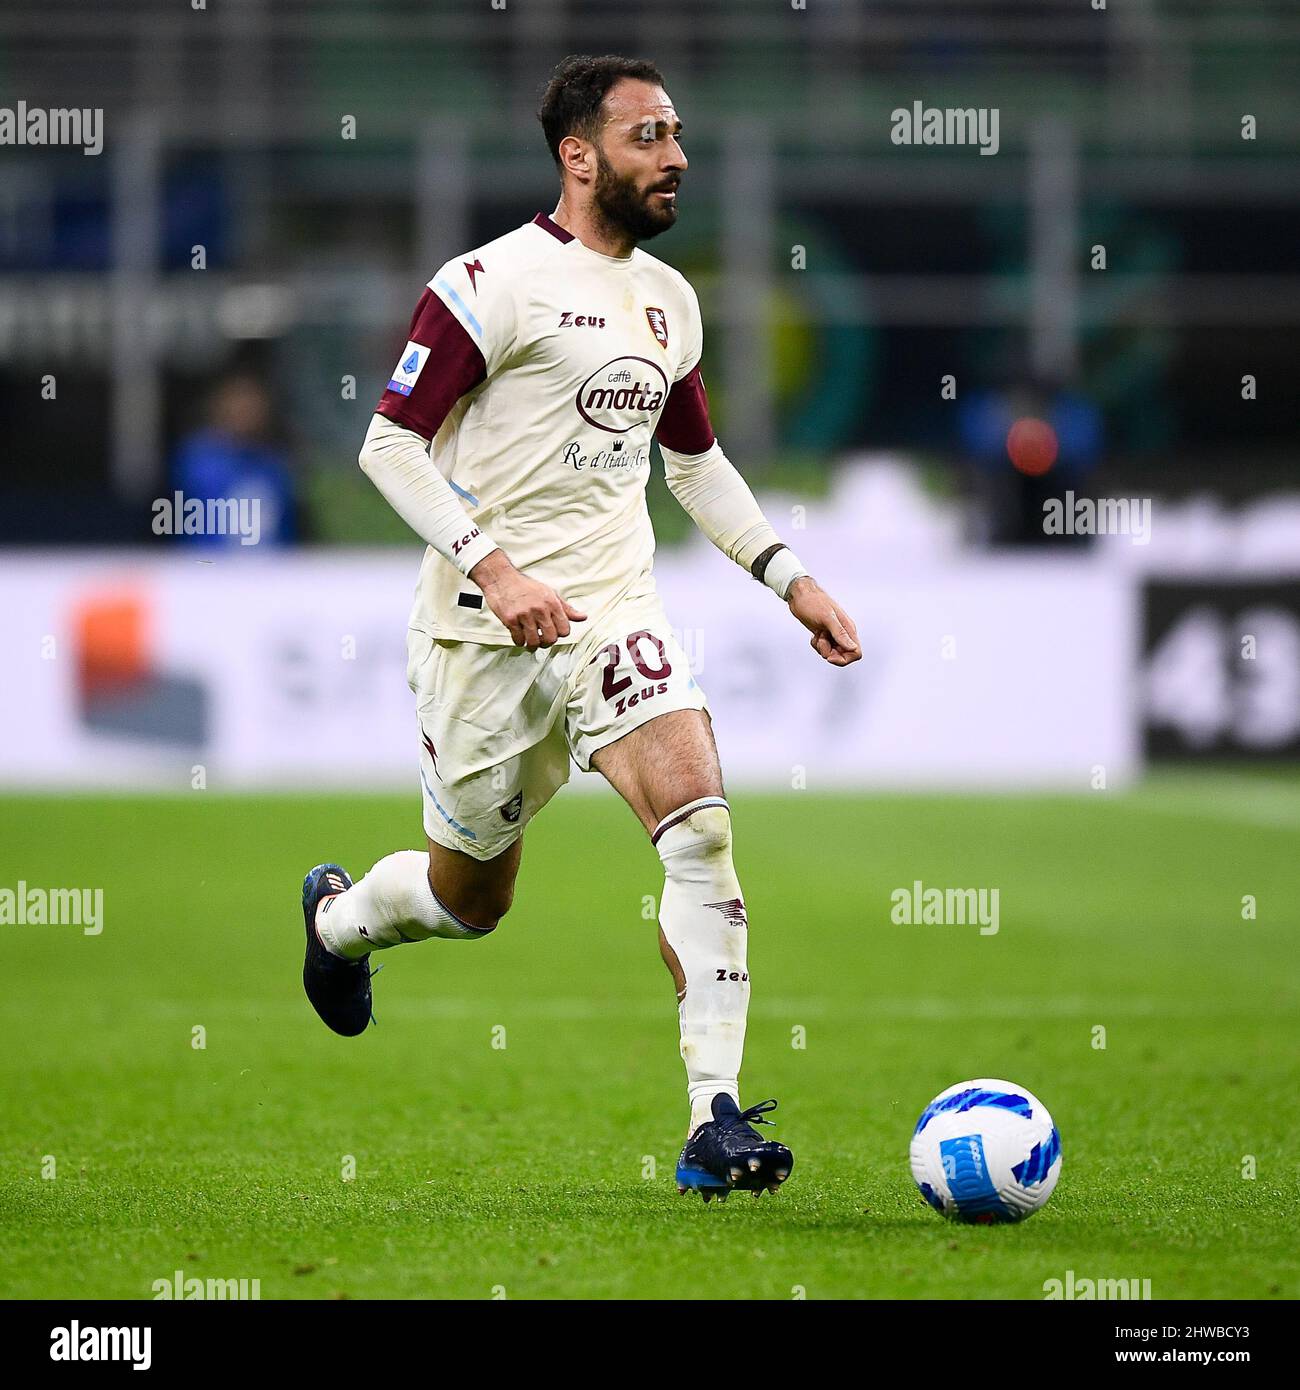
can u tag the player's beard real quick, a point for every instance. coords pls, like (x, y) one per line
(624, 208)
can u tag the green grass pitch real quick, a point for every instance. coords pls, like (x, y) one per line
(521, 1171)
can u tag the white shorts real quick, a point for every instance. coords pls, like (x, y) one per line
(498, 724)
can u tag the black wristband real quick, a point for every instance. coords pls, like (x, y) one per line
(759, 568)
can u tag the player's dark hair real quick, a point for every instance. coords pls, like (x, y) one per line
(573, 97)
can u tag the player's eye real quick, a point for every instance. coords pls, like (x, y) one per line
(650, 134)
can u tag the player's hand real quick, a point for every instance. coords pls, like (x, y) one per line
(834, 638)
(533, 613)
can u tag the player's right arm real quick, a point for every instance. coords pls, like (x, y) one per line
(442, 361)
(719, 501)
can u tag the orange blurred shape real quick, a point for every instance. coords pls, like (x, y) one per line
(112, 641)
(1031, 445)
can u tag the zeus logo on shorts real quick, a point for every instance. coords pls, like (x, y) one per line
(408, 369)
(510, 811)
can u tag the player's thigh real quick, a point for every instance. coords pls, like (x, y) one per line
(475, 889)
(663, 764)
(492, 753)
(638, 716)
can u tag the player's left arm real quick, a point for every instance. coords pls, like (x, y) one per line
(719, 501)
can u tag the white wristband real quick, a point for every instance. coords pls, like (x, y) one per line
(782, 570)
(471, 548)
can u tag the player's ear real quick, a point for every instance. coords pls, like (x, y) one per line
(575, 156)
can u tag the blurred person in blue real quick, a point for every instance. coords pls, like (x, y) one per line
(233, 458)
(1009, 497)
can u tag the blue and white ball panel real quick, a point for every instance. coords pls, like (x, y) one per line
(986, 1151)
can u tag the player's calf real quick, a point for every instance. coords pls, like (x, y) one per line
(704, 935)
(394, 904)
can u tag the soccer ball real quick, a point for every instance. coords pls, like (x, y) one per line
(986, 1151)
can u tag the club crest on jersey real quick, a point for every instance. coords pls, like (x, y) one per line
(658, 325)
(408, 369)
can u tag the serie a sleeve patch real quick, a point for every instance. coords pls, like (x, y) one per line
(408, 369)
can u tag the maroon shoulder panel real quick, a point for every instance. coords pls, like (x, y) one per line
(454, 366)
(684, 423)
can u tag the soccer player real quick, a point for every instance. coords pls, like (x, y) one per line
(514, 437)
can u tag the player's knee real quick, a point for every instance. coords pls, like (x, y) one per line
(480, 905)
(713, 826)
(490, 905)
(703, 836)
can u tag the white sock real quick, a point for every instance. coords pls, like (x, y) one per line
(391, 905)
(702, 917)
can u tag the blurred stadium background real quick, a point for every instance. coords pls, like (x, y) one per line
(212, 305)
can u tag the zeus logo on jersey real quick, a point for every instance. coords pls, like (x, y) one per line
(569, 320)
(408, 369)
(622, 394)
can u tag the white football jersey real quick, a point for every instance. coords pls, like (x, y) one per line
(540, 370)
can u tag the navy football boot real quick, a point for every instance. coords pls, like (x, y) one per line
(339, 989)
(727, 1154)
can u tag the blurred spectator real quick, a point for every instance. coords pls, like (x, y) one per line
(1009, 499)
(234, 458)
